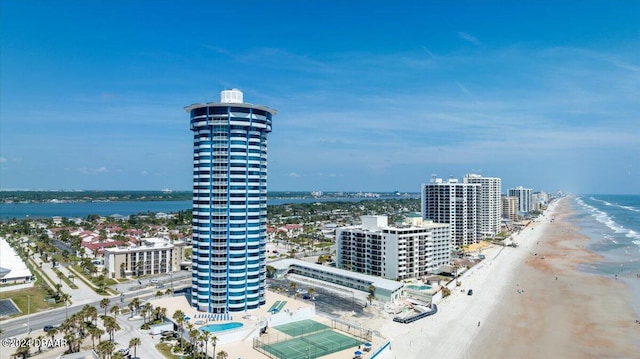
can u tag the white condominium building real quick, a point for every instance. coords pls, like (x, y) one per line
(409, 251)
(489, 204)
(453, 203)
(524, 198)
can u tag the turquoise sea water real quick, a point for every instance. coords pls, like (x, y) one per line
(613, 224)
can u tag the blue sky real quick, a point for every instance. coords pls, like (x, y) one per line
(371, 95)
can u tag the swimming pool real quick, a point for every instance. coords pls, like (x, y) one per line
(221, 327)
(419, 287)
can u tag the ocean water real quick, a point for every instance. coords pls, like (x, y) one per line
(613, 224)
(125, 208)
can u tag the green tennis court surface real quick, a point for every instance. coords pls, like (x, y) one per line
(311, 346)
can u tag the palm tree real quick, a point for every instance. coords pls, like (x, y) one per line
(134, 342)
(110, 326)
(311, 291)
(115, 310)
(293, 285)
(193, 338)
(104, 303)
(105, 348)
(222, 355)
(162, 312)
(146, 309)
(95, 332)
(65, 298)
(178, 316)
(214, 341)
(205, 336)
(135, 303)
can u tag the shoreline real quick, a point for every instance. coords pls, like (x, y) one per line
(563, 312)
(520, 310)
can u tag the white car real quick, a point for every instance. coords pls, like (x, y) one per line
(154, 281)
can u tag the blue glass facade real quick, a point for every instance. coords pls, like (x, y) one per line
(229, 205)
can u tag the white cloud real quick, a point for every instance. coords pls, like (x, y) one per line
(464, 36)
(3, 160)
(293, 174)
(92, 171)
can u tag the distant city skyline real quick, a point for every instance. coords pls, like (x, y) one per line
(543, 95)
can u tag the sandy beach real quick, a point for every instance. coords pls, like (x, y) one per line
(520, 310)
(577, 315)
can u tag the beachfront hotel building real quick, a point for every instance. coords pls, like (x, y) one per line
(510, 208)
(454, 203)
(413, 250)
(150, 256)
(524, 198)
(229, 203)
(489, 208)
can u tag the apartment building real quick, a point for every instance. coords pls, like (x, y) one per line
(510, 208)
(229, 203)
(415, 249)
(489, 208)
(454, 203)
(151, 256)
(524, 196)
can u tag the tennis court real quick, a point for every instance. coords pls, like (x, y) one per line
(311, 346)
(302, 327)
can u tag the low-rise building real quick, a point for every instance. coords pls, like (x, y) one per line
(384, 289)
(151, 256)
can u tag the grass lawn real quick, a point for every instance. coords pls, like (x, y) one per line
(21, 298)
(165, 349)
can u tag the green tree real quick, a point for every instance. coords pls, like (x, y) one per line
(205, 336)
(110, 326)
(115, 310)
(134, 343)
(104, 304)
(95, 333)
(105, 348)
(178, 316)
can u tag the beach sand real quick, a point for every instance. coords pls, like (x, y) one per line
(577, 315)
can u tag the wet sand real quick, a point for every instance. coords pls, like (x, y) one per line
(577, 315)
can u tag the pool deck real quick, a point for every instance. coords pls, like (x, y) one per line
(251, 321)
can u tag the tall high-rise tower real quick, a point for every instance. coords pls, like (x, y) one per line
(454, 203)
(490, 204)
(229, 203)
(524, 198)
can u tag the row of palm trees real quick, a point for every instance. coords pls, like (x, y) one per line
(81, 325)
(198, 340)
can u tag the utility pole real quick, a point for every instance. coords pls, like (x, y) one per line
(28, 314)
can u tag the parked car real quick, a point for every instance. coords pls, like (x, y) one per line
(470, 292)
(48, 328)
(154, 281)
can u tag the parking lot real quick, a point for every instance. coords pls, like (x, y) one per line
(328, 302)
